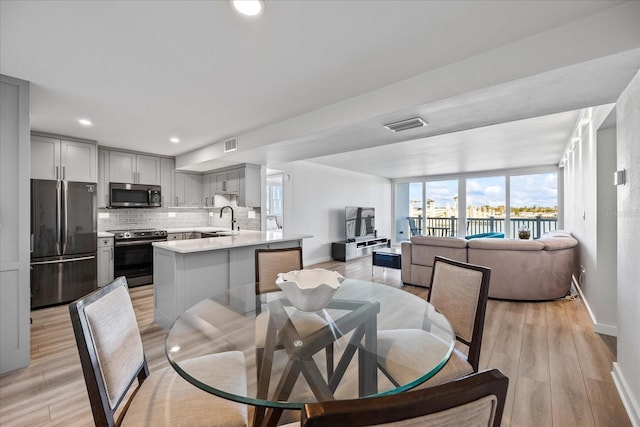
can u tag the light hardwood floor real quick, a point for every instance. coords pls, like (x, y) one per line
(559, 369)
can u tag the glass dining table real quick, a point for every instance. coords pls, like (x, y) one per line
(294, 357)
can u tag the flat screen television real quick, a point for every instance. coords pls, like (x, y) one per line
(359, 222)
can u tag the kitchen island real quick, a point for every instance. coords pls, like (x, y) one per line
(188, 271)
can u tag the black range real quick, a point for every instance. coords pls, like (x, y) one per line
(133, 254)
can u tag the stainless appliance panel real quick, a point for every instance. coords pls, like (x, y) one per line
(59, 280)
(123, 195)
(45, 218)
(79, 218)
(64, 241)
(134, 261)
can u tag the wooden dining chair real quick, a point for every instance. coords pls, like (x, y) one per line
(113, 361)
(270, 262)
(459, 291)
(475, 400)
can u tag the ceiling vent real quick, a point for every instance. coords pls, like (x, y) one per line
(415, 122)
(231, 145)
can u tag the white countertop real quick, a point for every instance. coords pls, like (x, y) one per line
(243, 238)
(103, 234)
(196, 229)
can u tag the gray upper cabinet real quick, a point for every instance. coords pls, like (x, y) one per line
(57, 158)
(133, 168)
(188, 189)
(243, 182)
(167, 181)
(103, 178)
(208, 189)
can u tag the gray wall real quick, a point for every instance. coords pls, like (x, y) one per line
(314, 200)
(627, 369)
(589, 200)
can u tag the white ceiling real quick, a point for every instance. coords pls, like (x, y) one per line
(315, 80)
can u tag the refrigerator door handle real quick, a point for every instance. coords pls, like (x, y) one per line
(64, 227)
(31, 244)
(58, 218)
(84, 258)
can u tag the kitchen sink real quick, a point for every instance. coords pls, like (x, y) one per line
(218, 234)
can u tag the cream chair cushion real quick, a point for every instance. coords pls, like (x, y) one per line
(118, 346)
(166, 399)
(455, 292)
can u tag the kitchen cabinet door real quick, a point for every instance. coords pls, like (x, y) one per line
(45, 158)
(180, 188)
(188, 189)
(147, 170)
(79, 161)
(105, 261)
(208, 189)
(193, 190)
(250, 192)
(122, 167)
(55, 158)
(167, 181)
(233, 182)
(15, 291)
(103, 178)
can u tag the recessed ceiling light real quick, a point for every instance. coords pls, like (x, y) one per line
(174, 140)
(248, 7)
(85, 122)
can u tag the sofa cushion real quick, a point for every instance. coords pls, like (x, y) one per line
(557, 244)
(451, 242)
(506, 244)
(556, 233)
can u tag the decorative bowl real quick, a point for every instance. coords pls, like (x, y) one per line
(309, 290)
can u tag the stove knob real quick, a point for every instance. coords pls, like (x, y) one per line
(127, 235)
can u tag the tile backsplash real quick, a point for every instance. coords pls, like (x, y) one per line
(167, 218)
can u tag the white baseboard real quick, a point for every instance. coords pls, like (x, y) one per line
(597, 327)
(630, 404)
(317, 261)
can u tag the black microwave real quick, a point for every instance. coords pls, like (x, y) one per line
(134, 195)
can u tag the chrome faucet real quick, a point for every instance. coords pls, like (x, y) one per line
(233, 220)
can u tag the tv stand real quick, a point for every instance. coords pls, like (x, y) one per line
(348, 250)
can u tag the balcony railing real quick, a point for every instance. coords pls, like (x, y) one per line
(431, 226)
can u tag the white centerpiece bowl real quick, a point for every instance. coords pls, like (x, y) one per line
(309, 290)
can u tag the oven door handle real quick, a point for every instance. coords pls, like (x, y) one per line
(138, 242)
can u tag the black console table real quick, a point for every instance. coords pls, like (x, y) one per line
(345, 251)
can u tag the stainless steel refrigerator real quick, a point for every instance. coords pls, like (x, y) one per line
(63, 241)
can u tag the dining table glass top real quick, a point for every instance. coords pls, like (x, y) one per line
(294, 357)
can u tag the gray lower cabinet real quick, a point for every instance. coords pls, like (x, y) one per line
(105, 260)
(15, 293)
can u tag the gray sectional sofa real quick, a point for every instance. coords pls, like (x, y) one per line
(520, 269)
